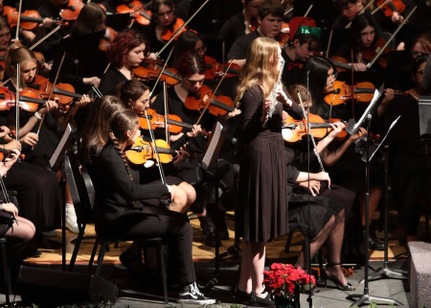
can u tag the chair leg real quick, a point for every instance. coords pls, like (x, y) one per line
(76, 248)
(100, 258)
(161, 250)
(93, 254)
(288, 242)
(5, 270)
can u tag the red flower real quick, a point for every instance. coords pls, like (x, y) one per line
(284, 280)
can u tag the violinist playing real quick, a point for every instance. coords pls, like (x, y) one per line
(50, 12)
(37, 187)
(136, 96)
(184, 100)
(343, 163)
(407, 159)
(163, 26)
(330, 203)
(126, 53)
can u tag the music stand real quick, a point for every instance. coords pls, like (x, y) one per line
(209, 161)
(353, 129)
(385, 271)
(55, 163)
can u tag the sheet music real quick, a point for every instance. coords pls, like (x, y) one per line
(212, 147)
(59, 150)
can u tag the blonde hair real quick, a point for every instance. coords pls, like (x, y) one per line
(260, 67)
(17, 53)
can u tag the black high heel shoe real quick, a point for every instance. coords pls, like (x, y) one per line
(334, 280)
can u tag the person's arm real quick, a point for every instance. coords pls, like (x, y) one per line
(113, 166)
(330, 158)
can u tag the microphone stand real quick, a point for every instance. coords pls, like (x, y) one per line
(385, 271)
(352, 129)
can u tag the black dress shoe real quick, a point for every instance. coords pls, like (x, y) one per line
(43, 242)
(247, 299)
(375, 244)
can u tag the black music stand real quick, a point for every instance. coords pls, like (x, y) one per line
(55, 163)
(209, 165)
(385, 271)
(352, 129)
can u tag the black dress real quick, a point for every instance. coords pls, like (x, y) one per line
(262, 213)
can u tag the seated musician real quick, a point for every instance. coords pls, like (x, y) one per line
(303, 43)
(407, 162)
(22, 231)
(136, 96)
(185, 100)
(164, 22)
(126, 52)
(269, 19)
(328, 206)
(125, 207)
(343, 162)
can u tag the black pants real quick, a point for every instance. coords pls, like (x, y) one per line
(173, 227)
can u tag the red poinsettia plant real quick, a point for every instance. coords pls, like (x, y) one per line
(284, 280)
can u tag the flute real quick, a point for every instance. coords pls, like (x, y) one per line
(274, 92)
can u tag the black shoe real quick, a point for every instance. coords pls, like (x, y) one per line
(375, 244)
(247, 299)
(132, 262)
(43, 242)
(191, 295)
(208, 230)
(335, 281)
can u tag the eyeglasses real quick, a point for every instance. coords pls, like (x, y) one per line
(420, 72)
(334, 75)
(168, 13)
(416, 54)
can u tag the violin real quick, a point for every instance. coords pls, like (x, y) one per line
(169, 32)
(362, 92)
(107, 39)
(150, 70)
(142, 150)
(216, 70)
(370, 53)
(72, 10)
(388, 7)
(294, 130)
(219, 105)
(64, 92)
(29, 100)
(137, 11)
(30, 19)
(175, 124)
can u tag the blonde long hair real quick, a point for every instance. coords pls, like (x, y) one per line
(260, 67)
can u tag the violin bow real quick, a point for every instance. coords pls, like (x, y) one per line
(307, 123)
(17, 99)
(213, 93)
(166, 109)
(360, 12)
(391, 38)
(309, 9)
(153, 145)
(178, 32)
(52, 89)
(162, 70)
(18, 22)
(331, 33)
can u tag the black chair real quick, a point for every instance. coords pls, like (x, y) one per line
(81, 185)
(83, 197)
